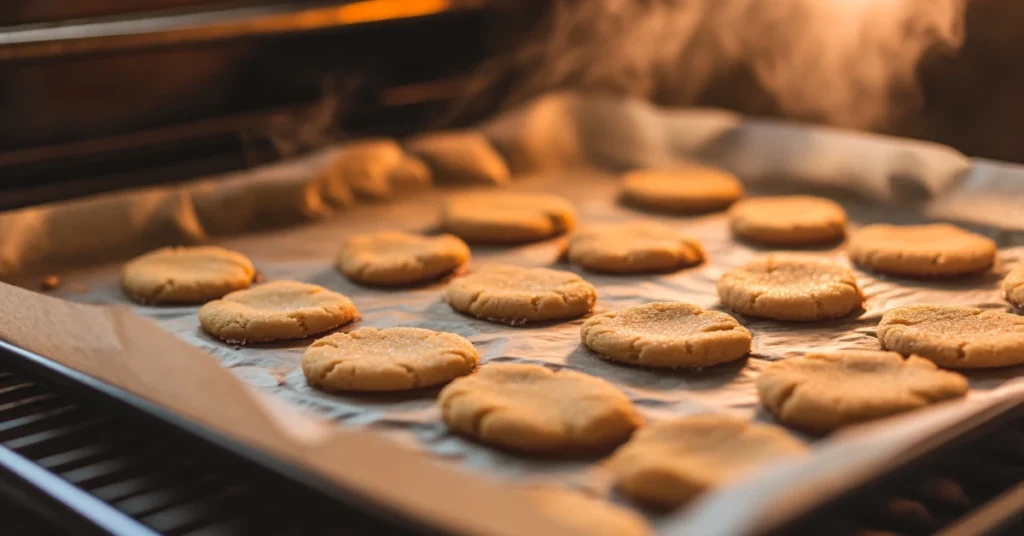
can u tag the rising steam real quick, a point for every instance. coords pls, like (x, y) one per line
(846, 62)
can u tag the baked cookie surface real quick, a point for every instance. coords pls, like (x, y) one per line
(666, 335)
(821, 392)
(507, 217)
(531, 408)
(392, 359)
(516, 295)
(588, 515)
(687, 190)
(461, 156)
(632, 248)
(276, 310)
(669, 463)
(1013, 287)
(791, 220)
(790, 288)
(954, 337)
(186, 274)
(935, 250)
(393, 258)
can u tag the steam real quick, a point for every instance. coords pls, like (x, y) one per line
(846, 62)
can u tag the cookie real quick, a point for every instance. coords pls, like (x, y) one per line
(788, 221)
(411, 173)
(666, 335)
(531, 408)
(954, 337)
(588, 515)
(393, 258)
(633, 248)
(790, 288)
(392, 359)
(821, 392)
(669, 463)
(276, 311)
(936, 250)
(507, 218)
(688, 190)
(365, 165)
(516, 295)
(186, 274)
(460, 156)
(1013, 287)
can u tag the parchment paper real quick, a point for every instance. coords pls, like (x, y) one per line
(575, 146)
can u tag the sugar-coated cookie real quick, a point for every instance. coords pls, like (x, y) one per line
(507, 218)
(632, 248)
(394, 258)
(790, 288)
(788, 221)
(516, 295)
(935, 250)
(392, 359)
(276, 311)
(683, 190)
(533, 409)
(954, 337)
(666, 335)
(186, 274)
(821, 392)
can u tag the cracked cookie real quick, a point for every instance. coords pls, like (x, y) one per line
(275, 311)
(666, 335)
(936, 250)
(186, 274)
(1013, 287)
(507, 218)
(392, 359)
(516, 295)
(790, 288)
(821, 392)
(669, 463)
(588, 515)
(534, 409)
(954, 337)
(791, 220)
(632, 248)
(686, 190)
(392, 258)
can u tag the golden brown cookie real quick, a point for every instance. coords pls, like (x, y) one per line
(954, 337)
(588, 515)
(790, 288)
(788, 221)
(463, 156)
(821, 392)
(186, 274)
(276, 311)
(394, 258)
(516, 295)
(1013, 287)
(633, 247)
(936, 250)
(365, 165)
(506, 217)
(669, 463)
(533, 409)
(392, 359)
(666, 335)
(685, 190)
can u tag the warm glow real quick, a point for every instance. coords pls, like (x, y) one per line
(373, 11)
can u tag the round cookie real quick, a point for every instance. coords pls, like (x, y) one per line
(788, 288)
(632, 248)
(666, 335)
(936, 250)
(507, 218)
(516, 295)
(1013, 287)
(688, 190)
(531, 408)
(588, 515)
(186, 274)
(392, 359)
(821, 392)
(275, 311)
(669, 463)
(392, 258)
(954, 337)
(789, 221)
